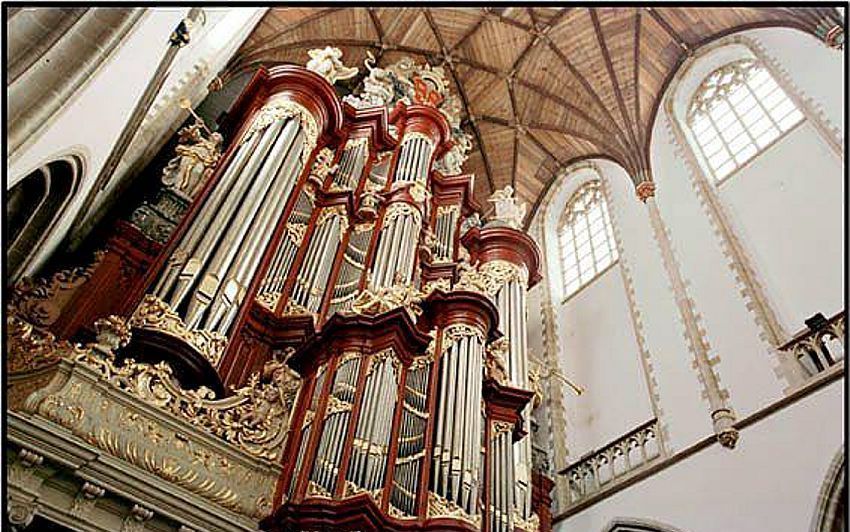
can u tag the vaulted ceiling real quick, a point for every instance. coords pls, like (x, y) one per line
(542, 87)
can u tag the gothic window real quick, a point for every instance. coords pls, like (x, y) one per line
(585, 238)
(736, 113)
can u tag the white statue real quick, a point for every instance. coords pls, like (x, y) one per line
(508, 210)
(377, 86)
(195, 159)
(452, 162)
(327, 62)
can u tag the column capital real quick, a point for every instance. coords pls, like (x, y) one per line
(645, 190)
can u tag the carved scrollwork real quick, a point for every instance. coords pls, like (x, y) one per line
(401, 209)
(439, 506)
(490, 276)
(155, 314)
(372, 302)
(457, 331)
(494, 361)
(31, 348)
(283, 109)
(255, 418)
(39, 301)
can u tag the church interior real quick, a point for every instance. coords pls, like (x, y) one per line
(263, 263)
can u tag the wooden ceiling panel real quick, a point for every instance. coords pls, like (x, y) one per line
(498, 145)
(495, 43)
(582, 82)
(455, 24)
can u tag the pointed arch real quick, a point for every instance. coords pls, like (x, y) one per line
(832, 499)
(638, 525)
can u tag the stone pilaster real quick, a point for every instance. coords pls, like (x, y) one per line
(722, 415)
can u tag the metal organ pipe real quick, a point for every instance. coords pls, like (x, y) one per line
(456, 455)
(196, 230)
(250, 252)
(216, 231)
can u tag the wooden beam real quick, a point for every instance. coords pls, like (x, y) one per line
(609, 66)
(376, 22)
(464, 99)
(669, 30)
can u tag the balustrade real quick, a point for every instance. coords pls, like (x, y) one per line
(821, 346)
(616, 461)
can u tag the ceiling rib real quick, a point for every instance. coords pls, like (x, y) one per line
(462, 93)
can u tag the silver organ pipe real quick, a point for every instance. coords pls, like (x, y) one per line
(337, 413)
(296, 225)
(307, 424)
(224, 246)
(313, 274)
(396, 246)
(511, 303)
(351, 164)
(367, 468)
(414, 156)
(456, 457)
(445, 227)
(353, 262)
(411, 444)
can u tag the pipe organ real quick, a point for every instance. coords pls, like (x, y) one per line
(326, 240)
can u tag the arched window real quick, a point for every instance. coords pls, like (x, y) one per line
(737, 111)
(585, 238)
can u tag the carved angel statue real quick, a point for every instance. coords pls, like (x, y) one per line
(378, 85)
(327, 62)
(452, 162)
(508, 210)
(195, 158)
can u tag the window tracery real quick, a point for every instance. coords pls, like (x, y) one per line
(736, 113)
(585, 238)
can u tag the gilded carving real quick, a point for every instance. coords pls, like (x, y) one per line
(99, 402)
(439, 506)
(283, 109)
(155, 314)
(39, 301)
(372, 302)
(457, 331)
(490, 276)
(494, 360)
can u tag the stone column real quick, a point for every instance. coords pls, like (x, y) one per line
(722, 415)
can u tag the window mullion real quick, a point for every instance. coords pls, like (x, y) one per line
(763, 108)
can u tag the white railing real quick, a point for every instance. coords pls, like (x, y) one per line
(616, 461)
(821, 346)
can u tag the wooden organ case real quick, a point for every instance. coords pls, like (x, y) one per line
(326, 239)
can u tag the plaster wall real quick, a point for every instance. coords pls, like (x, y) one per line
(770, 481)
(89, 125)
(784, 206)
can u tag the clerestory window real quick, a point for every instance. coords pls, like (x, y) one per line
(737, 112)
(585, 237)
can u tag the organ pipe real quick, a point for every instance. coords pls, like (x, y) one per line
(395, 410)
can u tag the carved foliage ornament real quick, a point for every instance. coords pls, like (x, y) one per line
(155, 314)
(490, 276)
(281, 110)
(39, 301)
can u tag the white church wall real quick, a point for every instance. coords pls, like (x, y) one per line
(745, 367)
(684, 415)
(597, 346)
(770, 481)
(88, 126)
(785, 208)
(211, 46)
